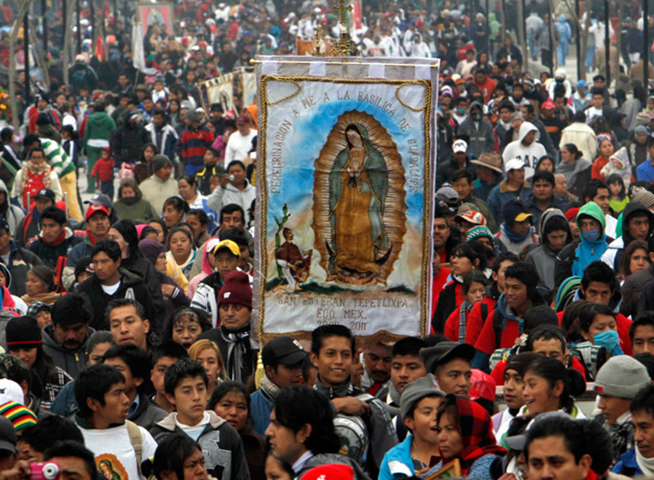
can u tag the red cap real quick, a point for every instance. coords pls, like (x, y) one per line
(93, 208)
(571, 213)
(335, 471)
(547, 105)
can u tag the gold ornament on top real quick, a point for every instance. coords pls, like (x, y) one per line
(344, 47)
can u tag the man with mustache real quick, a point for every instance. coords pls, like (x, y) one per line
(66, 337)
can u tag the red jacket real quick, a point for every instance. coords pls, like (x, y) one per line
(104, 169)
(475, 321)
(437, 284)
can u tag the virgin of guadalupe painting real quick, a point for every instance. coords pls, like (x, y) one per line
(359, 201)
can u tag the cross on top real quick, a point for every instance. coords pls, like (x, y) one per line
(342, 10)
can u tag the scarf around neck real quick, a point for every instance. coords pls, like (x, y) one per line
(268, 387)
(513, 237)
(646, 465)
(238, 344)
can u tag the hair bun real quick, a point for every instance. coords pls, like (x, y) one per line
(576, 383)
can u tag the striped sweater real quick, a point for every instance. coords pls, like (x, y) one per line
(57, 158)
(195, 144)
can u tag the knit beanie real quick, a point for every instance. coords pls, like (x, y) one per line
(571, 213)
(36, 307)
(20, 417)
(621, 376)
(236, 290)
(645, 197)
(477, 232)
(160, 161)
(23, 332)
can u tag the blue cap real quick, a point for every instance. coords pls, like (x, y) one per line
(582, 84)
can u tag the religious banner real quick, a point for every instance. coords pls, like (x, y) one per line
(156, 14)
(345, 195)
(219, 90)
(249, 84)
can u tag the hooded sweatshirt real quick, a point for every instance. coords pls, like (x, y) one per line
(71, 361)
(623, 167)
(543, 257)
(528, 154)
(613, 255)
(574, 258)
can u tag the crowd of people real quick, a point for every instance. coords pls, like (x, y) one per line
(127, 251)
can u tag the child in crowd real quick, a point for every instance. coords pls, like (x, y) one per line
(617, 193)
(474, 290)
(104, 171)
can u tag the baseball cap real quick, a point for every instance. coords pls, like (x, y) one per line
(45, 194)
(93, 208)
(547, 105)
(515, 211)
(100, 199)
(471, 216)
(445, 351)
(229, 245)
(460, 146)
(10, 391)
(582, 84)
(4, 225)
(284, 350)
(8, 437)
(515, 164)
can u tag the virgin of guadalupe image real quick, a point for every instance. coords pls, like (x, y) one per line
(359, 213)
(358, 187)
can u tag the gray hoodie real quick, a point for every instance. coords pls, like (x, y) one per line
(543, 257)
(71, 361)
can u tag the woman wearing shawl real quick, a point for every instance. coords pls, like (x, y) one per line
(466, 433)
(358, 187)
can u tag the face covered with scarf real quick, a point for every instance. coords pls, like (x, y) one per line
(465, 432)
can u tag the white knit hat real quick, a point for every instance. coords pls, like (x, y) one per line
(622, 376)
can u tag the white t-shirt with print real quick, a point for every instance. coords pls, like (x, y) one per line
(112, 449)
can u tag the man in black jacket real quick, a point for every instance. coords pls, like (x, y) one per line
(111, 283)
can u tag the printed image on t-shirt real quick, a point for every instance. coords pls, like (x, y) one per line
(110, 467)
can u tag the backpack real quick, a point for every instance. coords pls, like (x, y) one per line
(353, 433)
(78, 78)
(136, 439)
(592, 357)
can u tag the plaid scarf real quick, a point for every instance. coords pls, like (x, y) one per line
(476, 430)
(463, 313)
(622, 437)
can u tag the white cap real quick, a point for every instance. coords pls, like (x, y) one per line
(10, 391)
(515, 164)
(460, 146)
